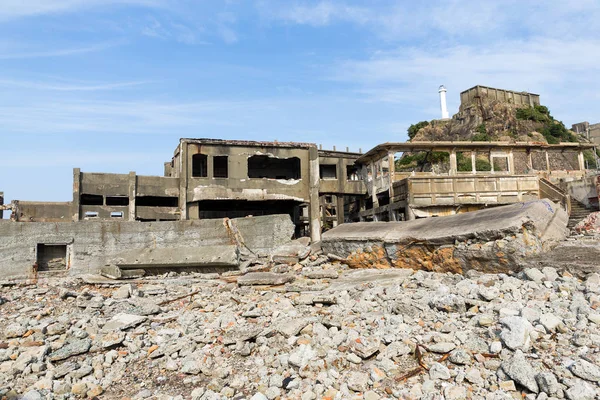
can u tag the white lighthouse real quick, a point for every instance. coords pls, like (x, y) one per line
(443, 106)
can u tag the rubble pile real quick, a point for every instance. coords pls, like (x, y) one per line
(312, 329)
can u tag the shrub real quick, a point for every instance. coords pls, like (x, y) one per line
(482, 165)
(414, 128)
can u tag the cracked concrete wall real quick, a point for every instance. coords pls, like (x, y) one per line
(237, 185)
(94, 244)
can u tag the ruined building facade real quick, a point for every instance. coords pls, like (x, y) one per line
(211, 178)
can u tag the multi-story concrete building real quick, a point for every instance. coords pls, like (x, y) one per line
(590, 131)
(212, 178)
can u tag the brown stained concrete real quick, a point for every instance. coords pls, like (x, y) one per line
(495, 239)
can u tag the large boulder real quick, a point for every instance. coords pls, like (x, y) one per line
(491, 240)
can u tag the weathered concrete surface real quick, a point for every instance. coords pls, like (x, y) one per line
(91, 245)
(495, 239)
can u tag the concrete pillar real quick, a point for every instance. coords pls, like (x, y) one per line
(374, 185)
(183, 179)
(409, 214)
(75, 205)
(313, 208)
(581, 160)
(391, 175)
(474, 162)
(1, 204)
(529, 160)
(453, 163)
(511, 162)
(547, 161)
(132, 195)
(340, 208)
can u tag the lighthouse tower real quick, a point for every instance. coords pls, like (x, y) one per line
(443, 106)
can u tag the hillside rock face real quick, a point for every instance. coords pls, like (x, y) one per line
(499, 118)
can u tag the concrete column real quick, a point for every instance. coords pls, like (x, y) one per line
(581, 160)
(409, 214)
(391, 175)
(374, 185)
(132, 195)
(313, 208)
(511, 162)
(453, 163)
(547, 161)
(529, 160)
(75, 205)
(183, 179)
(340, 208)
(474, 162)
(1, 204)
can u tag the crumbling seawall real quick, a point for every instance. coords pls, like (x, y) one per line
(491, 240)
(87, 246)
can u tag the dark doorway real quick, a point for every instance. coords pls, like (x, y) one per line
(51, 257)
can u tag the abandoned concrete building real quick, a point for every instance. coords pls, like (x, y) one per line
(590, 131)
(211, 178)
(208, 183)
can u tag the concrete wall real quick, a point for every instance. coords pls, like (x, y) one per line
(237, 185)
(35, 211)
(582, 190)
(94, 244)
(509, 96)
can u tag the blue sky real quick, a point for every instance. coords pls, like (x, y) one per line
(111, 85)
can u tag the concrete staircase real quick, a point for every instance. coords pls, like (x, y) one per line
(578, 212)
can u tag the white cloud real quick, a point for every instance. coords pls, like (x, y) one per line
(551, 67)
(10, 9)
(57, 52)
(57, 86)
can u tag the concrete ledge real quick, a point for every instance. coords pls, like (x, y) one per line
(494, 239)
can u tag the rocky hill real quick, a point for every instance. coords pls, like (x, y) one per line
(486, 120)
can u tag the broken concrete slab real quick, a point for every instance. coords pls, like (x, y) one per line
(264, 278)
(121, 322)
(174, 257)
(491, 240)
(291, 253)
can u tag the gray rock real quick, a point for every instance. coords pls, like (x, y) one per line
(581, 391)
(550, 322)
(460, 357)
(448, 303)
(365, 347)
(534, 275)
(123, 292)
(14, 330)
(264, 278)
(442, 347)
(519, 369)
(121, 322)
(550, 274)
(586, 370)
(438, 371)
(71, 348)
(302, 356)
(548, 383)
(358, 381)
(322, 274)
(516, 332)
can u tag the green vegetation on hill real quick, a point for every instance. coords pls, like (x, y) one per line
(553, 131)
(414, 128)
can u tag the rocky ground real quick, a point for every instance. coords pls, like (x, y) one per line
(312, 330)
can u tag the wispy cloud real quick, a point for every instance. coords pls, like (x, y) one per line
(57, 52)
(552, 67)
(68, 87)
(171, 30)
(11, 9)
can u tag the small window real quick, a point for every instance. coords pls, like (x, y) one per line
(199, 166)
(500, 164)
(328, 199)
(116, 214)
(220, 167)
(117, 201)
(91, 214)
(91, 199)
(328, 171)
(352, 173)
